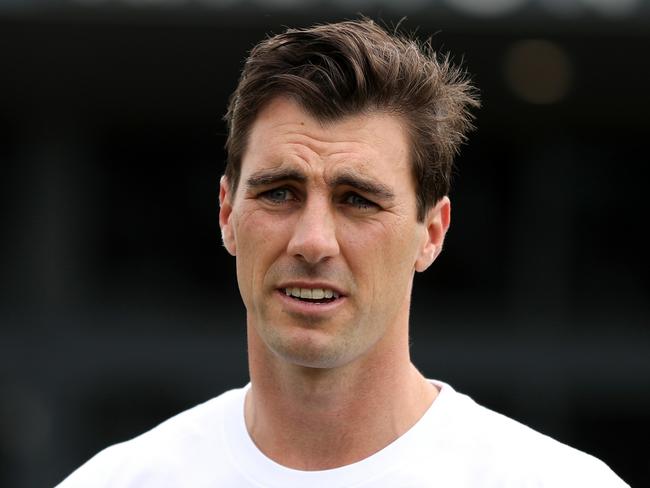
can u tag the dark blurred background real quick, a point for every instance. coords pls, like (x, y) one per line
(119, 308)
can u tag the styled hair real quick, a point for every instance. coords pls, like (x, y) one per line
(353, 67)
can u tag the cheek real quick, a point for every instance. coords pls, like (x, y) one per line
(393, 247)
(393, 259)
(404, 248)
(381, 256)
(259, 240)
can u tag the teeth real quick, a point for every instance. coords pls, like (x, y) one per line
(305, 293)
(313, 293)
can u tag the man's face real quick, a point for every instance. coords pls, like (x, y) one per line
(323, 226)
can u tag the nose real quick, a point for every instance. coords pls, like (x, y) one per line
(314, 234)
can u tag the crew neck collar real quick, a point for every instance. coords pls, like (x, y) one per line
(263, 471)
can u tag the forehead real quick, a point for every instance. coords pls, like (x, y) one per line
(284, 134)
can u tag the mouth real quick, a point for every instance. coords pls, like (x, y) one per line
(311, 295)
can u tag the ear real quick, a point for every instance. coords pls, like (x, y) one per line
(225, 216)
(436, 223)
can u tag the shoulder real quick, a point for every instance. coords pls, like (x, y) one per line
(504, 449)
(160, 455)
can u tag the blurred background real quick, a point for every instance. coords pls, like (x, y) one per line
(119, 307)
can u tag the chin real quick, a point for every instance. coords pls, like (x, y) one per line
(310, 352)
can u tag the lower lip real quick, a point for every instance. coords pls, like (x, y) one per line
(309, 308)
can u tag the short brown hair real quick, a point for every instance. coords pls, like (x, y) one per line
(346, 68)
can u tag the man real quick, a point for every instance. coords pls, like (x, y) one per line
(341, 140)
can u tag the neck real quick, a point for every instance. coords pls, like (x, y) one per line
(316, 418)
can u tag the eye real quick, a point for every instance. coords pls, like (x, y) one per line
(278, 195)
(358, 201)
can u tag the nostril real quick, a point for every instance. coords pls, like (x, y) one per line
(313, 245)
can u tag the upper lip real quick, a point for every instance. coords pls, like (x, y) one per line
(305, 284)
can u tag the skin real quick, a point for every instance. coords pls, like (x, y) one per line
(333, 206)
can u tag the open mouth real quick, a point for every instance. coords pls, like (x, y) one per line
(311, 295)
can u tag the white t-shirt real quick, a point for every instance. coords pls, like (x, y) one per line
(457, 443)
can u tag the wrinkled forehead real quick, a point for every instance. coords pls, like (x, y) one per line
(284, 133)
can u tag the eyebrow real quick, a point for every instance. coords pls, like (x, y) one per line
(363, 184)
(349, 178)
(269, 176)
